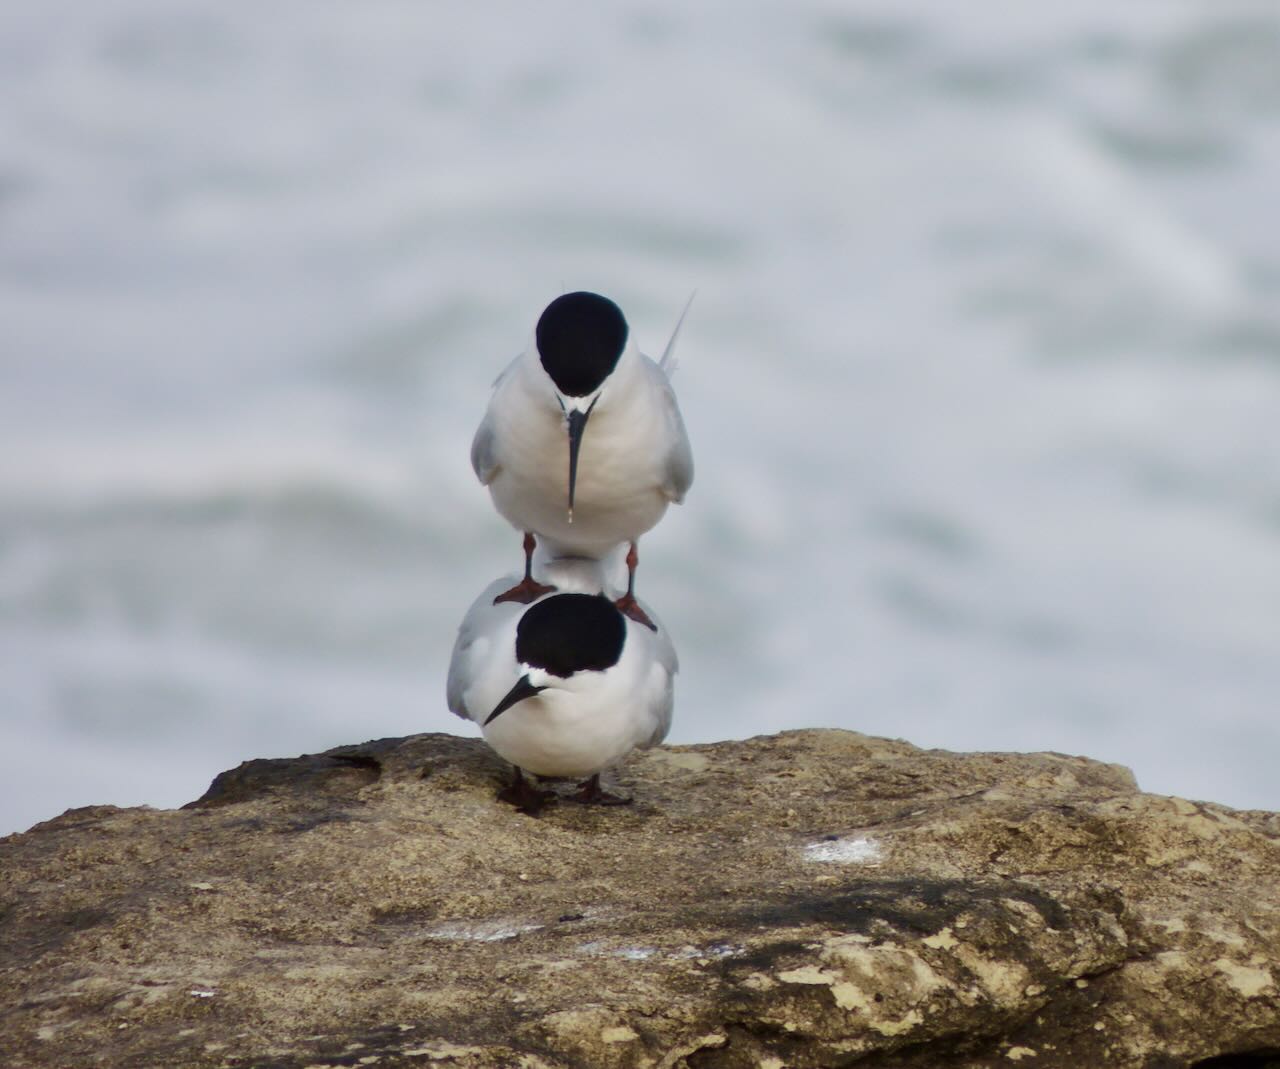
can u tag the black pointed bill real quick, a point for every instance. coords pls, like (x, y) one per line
(523, 689)
(577, 424)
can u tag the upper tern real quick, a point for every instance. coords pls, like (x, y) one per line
(583, 444)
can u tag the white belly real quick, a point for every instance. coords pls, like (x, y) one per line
(618, 496)
(557, 735)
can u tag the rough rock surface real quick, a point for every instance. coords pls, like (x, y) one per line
(816, 898)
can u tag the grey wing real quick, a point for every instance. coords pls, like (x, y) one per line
(483, 461)
(665, 652)
(456, 685)
(677, 472)
(664, 695)
(471, 644)
(665, 703)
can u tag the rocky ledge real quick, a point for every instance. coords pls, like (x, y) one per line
(815, 898)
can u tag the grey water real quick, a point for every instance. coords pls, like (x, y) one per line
(982, 374)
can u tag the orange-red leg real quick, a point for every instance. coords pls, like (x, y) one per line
(627, 604)
(528, 589)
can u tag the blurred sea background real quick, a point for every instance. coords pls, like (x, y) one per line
(982, 375)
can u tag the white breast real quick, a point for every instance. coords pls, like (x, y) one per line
(621, 465)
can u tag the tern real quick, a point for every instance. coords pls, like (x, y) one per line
(564, 687)
(583, 444)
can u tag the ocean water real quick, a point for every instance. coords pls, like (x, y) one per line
(982, 374)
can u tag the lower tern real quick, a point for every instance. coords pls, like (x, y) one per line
(583, 493)
(564, 687)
